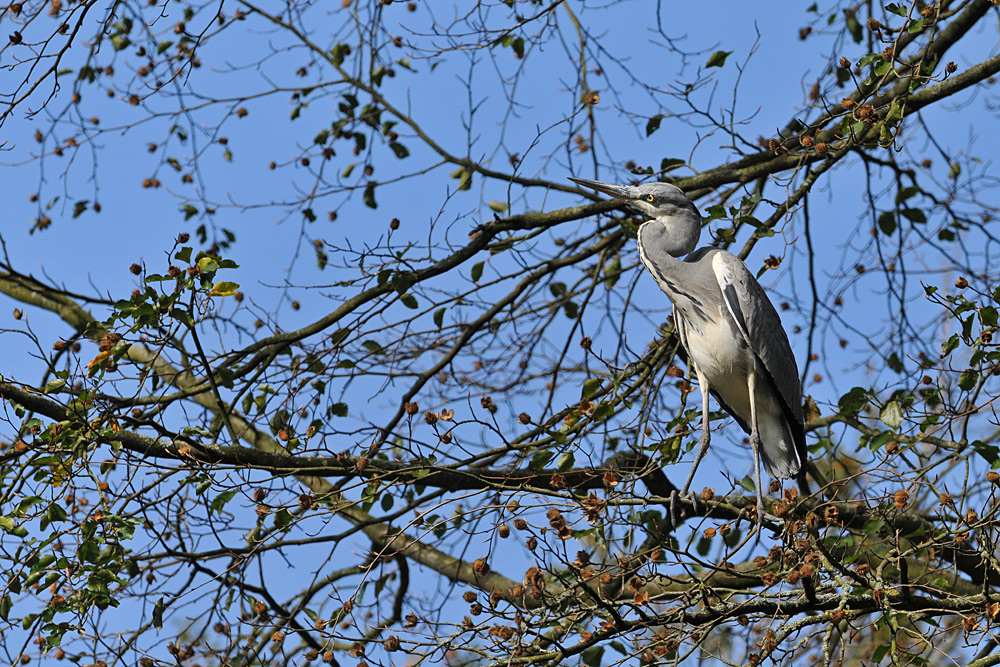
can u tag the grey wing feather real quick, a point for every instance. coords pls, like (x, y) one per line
(681, 327)
(761, 327)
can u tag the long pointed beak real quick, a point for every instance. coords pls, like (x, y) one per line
(622, 192)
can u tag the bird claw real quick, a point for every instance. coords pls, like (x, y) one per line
(676, 495)
(762, 514)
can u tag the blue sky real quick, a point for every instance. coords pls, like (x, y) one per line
(774, 69)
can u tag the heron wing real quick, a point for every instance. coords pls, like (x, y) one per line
(681, 325)
(760, 325)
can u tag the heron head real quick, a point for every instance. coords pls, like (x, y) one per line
(657, 200)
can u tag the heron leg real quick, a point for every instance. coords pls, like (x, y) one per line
(706, 435)
(755, 446)
(703, 443)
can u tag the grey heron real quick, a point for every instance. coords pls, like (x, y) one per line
(731, 331)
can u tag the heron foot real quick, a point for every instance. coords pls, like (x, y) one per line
(762, 514)
(675, 496)
(758, 519)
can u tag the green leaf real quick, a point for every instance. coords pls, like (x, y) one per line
(907, 193)
(400, 150)
(477, 271)
(988, 316)
(54, 385)
(968, 379)
(372, 346)
(497, 206)
(409, 301)
(851, 402)
(716, 212)
(989, 452)
(612, 271)
(158, 614)
(182, 316)
(183, 255)
(879, 653)
(704, 546)
(853, 26)
(880, 440)
(733, 538)
(671, 163)
(891, 415)
(282, 518)
(885, 135)
(338, 53)
(967, 326)
(915, 26)
(868, 59)
(887, 222)
(949, 346)
(914, 215)
(895, 112)
(369, 196)
(338, 409)
(224, 288)
(9, 525)
(540, 460)
(309, 215)
(439, 317)
(894, 363)
(653, 124)
(220, 501)
(79, 208)
(465, 179)
(591, 387)
(602, 412)
(402, 281)
(518, 45)
(591, 656)
(718, 59)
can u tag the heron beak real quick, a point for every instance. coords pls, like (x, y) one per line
(622, 192)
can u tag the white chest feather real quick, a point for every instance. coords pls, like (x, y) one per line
(718, 351)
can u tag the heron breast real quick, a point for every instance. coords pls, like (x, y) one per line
(717, 350)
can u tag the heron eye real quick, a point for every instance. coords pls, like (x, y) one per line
(650, 198)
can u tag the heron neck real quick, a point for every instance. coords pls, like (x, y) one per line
(674, 236)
